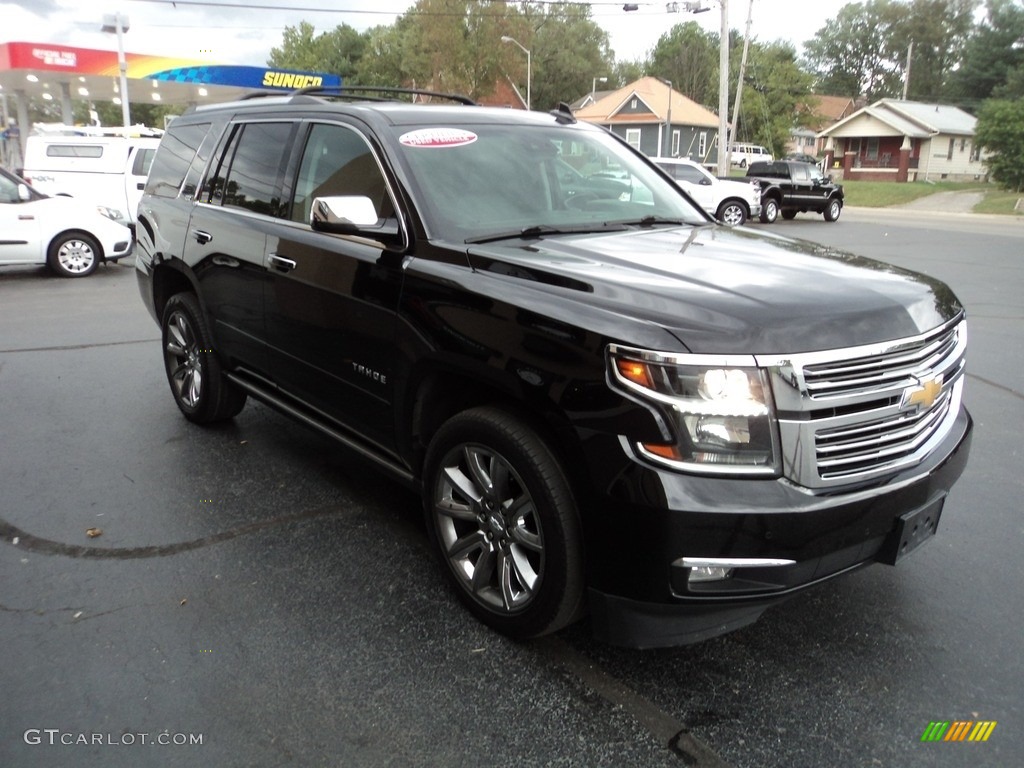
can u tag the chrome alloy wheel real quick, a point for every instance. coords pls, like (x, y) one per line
(183, 360)
(489, 528)
(76, 256)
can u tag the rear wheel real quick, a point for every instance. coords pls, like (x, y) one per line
(501, 512)
(200, 389)
(789, 215)
(769, 210)
(732, 212)
(73, 254)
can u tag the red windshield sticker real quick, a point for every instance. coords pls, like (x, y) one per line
(437, 137)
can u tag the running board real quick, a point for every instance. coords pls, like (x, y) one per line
(302, 416)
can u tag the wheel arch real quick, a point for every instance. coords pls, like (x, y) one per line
(76, 232)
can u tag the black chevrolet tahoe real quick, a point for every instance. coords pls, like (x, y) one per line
(790, 187)
(610, 403)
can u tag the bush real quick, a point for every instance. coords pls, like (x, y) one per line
(1000, 130)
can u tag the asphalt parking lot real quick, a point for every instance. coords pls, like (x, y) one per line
(258, 596)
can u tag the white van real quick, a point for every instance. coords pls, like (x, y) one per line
(745, 154)
(100, 168)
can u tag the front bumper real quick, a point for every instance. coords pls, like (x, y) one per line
(649, 520)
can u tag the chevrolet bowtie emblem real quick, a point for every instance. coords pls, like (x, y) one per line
(923, 395)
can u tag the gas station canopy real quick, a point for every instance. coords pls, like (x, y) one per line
(62, 73)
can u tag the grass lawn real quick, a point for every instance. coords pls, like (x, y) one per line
(881, 194)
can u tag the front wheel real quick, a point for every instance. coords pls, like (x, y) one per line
(769, 211)
(500, 510)
(833, 210)
(200, 389)
(732, 213)
(73, 254)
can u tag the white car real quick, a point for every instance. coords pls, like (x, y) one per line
(71, 236)
(731, 202)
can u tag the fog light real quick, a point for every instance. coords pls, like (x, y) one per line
(705, 573)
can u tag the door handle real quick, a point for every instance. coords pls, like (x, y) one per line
(281, 263)
(202, 237)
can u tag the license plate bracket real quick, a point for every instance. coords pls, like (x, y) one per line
(912, 530)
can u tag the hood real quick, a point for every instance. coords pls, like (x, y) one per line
(724, 290)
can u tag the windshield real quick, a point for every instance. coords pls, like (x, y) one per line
(486, 181)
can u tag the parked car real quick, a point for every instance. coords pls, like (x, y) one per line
(789, 188)
(608, 402)
(800, 157)
(745, 154)
(70, 236)
(98, 167)
(731, 202)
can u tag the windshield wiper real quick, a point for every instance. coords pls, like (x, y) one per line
(536, 230)
(651, 221)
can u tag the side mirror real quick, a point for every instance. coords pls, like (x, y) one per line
(353, 215)
(23, 193)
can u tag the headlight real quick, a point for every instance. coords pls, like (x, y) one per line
(717, 411)
(110, 213)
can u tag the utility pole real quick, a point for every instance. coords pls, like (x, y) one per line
(739, 85)
(906, 77)
(723, 93)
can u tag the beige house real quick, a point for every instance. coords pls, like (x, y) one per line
(657, 120)
(893, 140)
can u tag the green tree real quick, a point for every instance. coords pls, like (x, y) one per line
(1000, 130)
(688, 56)
(939, 31)
(568, 49)
(851, 54)
(337, 51)
(991, 55)
(774, 89)
(626, 72)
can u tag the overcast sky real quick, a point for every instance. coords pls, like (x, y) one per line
(232, 35)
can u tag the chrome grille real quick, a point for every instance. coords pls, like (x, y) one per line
(895, 368)
(857, 414)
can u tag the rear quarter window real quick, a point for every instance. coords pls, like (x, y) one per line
(173, 157)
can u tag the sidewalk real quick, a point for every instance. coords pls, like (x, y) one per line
(946, 202)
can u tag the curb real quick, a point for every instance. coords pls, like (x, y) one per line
(896, 211)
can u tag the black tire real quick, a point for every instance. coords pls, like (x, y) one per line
(789, 215)
(194, 373)
(73, 254)
(501, 513)
(743, 163)
(769, 210)
(733, 213)
(833, 209)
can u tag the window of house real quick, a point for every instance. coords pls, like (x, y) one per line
(952, 146)
(872, 148)
(633, 137)
(975, 153)
(632, 104)
(675, 143)
(702, 143)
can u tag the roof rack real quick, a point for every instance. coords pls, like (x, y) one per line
(356, 92)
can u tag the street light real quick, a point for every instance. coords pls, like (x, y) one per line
(668, 120)
(119, 24)
(529, 66)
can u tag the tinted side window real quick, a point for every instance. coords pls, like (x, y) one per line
(250, 169)
(177, 148)
(74, 150)
(143, 161)
(686, 173)
(799, 173)
(338, 161)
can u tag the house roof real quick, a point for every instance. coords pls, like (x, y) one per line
(912, 118)
(653, 94)
(820, 111)
(590, 98)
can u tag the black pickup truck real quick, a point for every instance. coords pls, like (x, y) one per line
(789, 187)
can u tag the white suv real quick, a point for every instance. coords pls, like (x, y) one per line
(732, 202)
